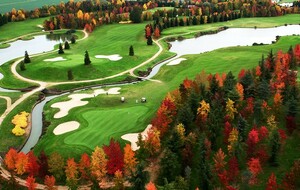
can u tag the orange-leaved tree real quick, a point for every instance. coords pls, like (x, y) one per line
(50, 182)
(130, 160)
(98, 164)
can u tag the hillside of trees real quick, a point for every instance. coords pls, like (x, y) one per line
(89, 14)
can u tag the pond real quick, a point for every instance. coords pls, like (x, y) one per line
(232, 37)
(40, 44)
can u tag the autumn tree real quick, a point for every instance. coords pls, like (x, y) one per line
(255, 168)
(203, 110)
(253, 139)
(115, 157)
(50, 182)
(71, 171)
(156, 32)
(98, 164)
(219, 167)
(118, 180)
(43, 162)
(230, 109)
(32, 166)
(26, 58)
(130, 161)
(271, 183)
(164, 115)
(10, 159)
(30, 183)
(84, 166)
(21, 163)
(56, 165)
(150, 186)
(233, 168)
(131, 51)
(152, 142)
(87, 60)
(233, 140)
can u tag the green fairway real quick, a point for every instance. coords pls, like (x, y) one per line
(105, 40)
(8, 5)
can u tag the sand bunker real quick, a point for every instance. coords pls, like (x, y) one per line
(133, 137)
(76, 101)
(66, 127)
(56, 59)
(115, 57)
(176, 61)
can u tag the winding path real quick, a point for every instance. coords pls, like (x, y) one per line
(8, 100)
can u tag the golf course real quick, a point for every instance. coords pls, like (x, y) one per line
(100, 99)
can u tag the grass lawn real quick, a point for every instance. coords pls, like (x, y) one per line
(8, 5)
(16, 29)
(105, 40)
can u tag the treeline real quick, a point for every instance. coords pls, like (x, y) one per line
(222, 131)
(107, 166)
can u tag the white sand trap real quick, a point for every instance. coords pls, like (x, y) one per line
(66, 127)
(76, 101)
(115, 57)
(40, 26)
(55, 59)
(176, 61)
(133, 137)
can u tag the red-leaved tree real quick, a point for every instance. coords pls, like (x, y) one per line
(32, 165)
(272, 184)
(115, 157)
(30, 183)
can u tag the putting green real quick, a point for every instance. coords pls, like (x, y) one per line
(106, 124)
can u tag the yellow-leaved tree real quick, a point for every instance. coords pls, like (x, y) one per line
(232, 140)
(230, 109)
